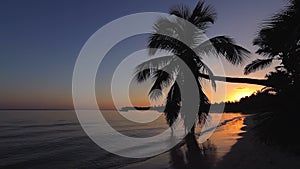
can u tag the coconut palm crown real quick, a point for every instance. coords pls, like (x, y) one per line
(279, 39)
(184, 43)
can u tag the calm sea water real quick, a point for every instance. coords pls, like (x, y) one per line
(54, 139)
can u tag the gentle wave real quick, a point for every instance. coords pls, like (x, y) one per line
(54, 139)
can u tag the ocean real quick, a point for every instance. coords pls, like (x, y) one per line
(54, 139)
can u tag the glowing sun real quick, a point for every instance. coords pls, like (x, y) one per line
(240, 93)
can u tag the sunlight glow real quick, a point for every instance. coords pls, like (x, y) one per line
(240, 93)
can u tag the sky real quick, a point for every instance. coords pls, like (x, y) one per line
(41, 40)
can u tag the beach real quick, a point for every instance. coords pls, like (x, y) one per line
(247, 153)
(54, 139)
(250, 152)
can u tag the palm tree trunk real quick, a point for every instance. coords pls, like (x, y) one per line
(193, 129)
(262, 82)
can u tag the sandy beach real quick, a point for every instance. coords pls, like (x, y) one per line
(233, 145)
(247, 153)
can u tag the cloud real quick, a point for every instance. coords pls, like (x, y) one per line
(241, 88)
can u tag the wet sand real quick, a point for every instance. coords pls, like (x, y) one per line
(251, 153)
(247, 153)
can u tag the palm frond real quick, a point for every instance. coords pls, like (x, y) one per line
(269, 45)
(156, 63)
(203, 68)
(256, 65)
(181, 11)
(162, 42)
(203, 98)
(172, 107)
(226, 46)
(163, 79)
(144, 74)
(156, 90)
(202, 15)
(267, 52)
(167, 26)
(179, 29)
(203, 107)
(281, 32)
(202, 117)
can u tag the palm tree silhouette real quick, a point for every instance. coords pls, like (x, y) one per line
(279, 39)
(167, 72)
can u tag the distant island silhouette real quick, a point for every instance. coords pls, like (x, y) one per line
(259, 101)
(157, 108)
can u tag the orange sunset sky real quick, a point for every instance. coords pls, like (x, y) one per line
(40, 45)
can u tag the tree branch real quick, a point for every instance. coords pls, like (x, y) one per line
(262, 82)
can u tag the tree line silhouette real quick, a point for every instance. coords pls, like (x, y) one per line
(277, 40)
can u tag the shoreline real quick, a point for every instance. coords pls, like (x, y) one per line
(247, 153)
(251, 153)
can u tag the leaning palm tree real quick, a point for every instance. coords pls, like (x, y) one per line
(185, 43)
(279, 39)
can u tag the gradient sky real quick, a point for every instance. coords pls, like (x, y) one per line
(40, 41)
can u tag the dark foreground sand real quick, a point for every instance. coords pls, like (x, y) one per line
(250, 153)
(247, 153)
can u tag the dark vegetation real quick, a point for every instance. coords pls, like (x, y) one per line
(279, 39)
(276, 106)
